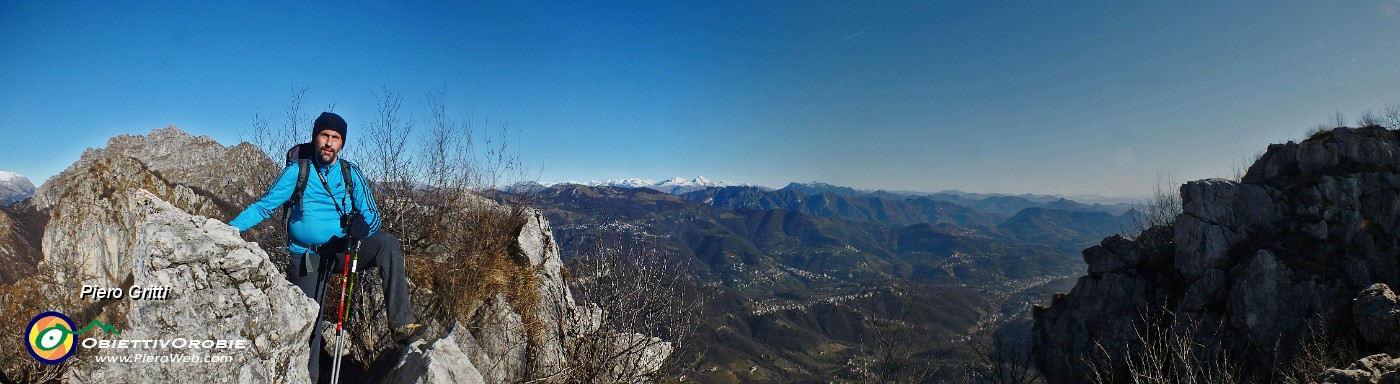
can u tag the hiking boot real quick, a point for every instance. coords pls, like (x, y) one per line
(407, 332)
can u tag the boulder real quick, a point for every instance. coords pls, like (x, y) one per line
(1376, 309)
(220, 288)
(436, 361)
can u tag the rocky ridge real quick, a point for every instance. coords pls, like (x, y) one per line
(1255, 265)
(87, 204)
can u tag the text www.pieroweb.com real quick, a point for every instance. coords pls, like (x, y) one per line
(180, 344)
(172, 358)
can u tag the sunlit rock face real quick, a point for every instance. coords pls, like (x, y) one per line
(217, 287)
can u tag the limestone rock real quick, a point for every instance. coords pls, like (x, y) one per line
(1374, 369)
(1206, 291)
(1308, 228)
(1098, 308)
(438, 361)
(87, 202)
(221, 288)
(1376, 309)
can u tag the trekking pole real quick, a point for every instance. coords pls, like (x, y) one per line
(345, 294)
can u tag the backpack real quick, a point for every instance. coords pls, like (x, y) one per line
(301, 155)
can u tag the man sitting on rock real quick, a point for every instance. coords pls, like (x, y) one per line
(323, 219)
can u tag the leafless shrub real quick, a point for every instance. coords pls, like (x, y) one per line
(260, 135)
(457, 241)
(1168, 348)
(1001, 360)
(644, 304)
(294, 130)
(1324, 348)
(1241, 168)
(893, 359)
(24, 300)
(51, 289)
(1324, 130)
(1390, 116)
(1160, 209)
(1369, 118)
(385, 163)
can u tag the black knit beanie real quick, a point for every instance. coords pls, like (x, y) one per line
(329, 121)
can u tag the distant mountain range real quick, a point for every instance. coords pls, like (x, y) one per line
(890, 210)
(1004, 205)
(816, 186)
(797, 264)
(14, 187)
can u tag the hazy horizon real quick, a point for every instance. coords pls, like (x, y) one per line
(1041, 98)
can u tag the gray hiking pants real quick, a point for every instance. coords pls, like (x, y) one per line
(381, 250)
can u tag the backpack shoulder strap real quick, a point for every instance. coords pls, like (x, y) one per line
(349, 183)
(300, 155)
(303, 173)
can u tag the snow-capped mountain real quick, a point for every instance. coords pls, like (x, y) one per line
(674, 185)
(14, 187)
(620, 183)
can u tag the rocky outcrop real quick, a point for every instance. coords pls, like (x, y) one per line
(87, 202)
(498, 340)
(220, 288)
(505, 351)
(1256, 263)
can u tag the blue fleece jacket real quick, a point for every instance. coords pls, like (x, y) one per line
(316, 220)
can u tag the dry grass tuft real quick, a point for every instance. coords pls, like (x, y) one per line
(468, 255)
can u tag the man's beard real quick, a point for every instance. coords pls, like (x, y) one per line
(327, 159)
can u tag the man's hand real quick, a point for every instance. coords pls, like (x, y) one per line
(357, 228)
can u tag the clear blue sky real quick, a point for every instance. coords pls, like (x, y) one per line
(999, 96)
